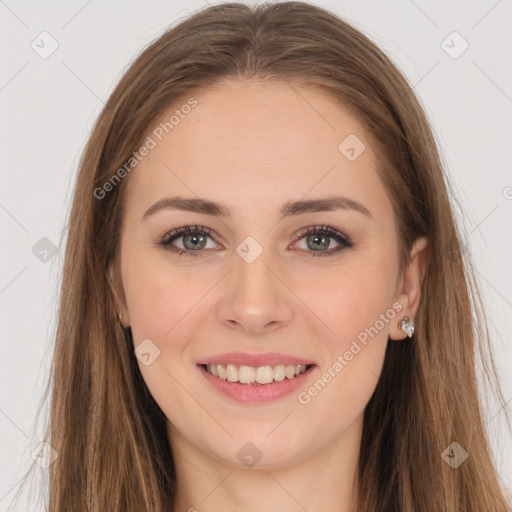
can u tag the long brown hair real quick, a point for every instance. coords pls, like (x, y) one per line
(110, 435)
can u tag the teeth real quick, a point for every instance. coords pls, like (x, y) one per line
(251, 375)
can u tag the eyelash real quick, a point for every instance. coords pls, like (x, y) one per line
(344, 240)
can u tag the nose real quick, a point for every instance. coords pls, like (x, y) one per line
(255, 297)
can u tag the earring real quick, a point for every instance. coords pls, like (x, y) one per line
(121, 319)
(407, 326)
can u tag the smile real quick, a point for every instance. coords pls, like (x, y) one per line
(253, 384)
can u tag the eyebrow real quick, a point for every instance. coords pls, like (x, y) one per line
(291, 208)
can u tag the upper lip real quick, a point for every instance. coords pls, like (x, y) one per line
(256, 360)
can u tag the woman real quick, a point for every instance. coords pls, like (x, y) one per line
(264, 303)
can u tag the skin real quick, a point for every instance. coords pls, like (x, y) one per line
(254, 146)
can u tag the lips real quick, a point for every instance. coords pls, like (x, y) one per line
(275, 375)
(255, 392)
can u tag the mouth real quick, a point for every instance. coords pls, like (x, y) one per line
(256, 375)
(255, 384)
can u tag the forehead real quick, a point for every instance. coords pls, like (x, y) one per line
(253, 143)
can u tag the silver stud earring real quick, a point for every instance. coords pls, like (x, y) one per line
(407, 326)
(121, 319)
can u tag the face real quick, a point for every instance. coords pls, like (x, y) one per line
(270, 283)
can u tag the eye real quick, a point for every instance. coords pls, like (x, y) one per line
(193, 240)
(317, 238)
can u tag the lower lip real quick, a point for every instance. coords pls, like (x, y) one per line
(259, 393)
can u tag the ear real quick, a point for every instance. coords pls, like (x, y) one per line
(118, 294)
(409, 286)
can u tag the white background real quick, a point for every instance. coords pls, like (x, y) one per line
(48, 107)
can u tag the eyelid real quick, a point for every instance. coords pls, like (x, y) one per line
(324, 228)
(174, 234)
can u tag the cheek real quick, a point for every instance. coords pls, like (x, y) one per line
(354, 302)
(350, 371)
(158, 296)
(357, 308)
(163, 308)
